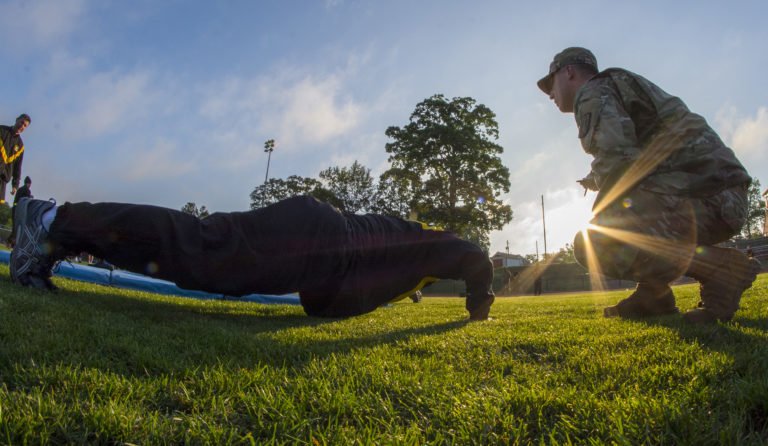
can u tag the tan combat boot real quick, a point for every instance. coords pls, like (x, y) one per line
(648, 299)
(724, 274)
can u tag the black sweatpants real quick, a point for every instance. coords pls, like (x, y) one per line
(3, 186)
(340, 264)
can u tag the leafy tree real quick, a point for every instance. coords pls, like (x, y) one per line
(6, 217)
(353, 187)
(532, 258)
(191, 208)
(276, 189)
(566, 255)
(327, 196)
(756, 211)
(394, 193)
(450, 146)
(5, 214)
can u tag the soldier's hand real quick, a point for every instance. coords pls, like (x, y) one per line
(588, 183)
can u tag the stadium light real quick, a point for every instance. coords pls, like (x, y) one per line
(269, 147)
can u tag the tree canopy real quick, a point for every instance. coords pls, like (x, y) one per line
(276, 189)
(447, 157)
(6, 214)
(352, 186)
(756, 211)
(444, 170)
(394, 193)
(191, 208)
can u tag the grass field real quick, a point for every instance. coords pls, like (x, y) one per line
(100, 365)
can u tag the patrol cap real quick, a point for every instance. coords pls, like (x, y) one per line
(570, 56)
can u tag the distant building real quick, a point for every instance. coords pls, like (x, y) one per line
(504, 260)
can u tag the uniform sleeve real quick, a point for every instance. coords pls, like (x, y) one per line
(606, 132)
(4, 137)
(17, 171)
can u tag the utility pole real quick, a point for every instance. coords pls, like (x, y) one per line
(544, 223)
(537, 250)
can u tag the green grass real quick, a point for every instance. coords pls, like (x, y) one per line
(99, 365)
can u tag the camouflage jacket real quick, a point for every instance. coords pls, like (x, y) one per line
(637, 131)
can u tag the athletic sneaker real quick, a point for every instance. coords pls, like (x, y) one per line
(31, 259)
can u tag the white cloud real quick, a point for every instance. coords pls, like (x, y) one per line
(39, 22)
(159, 161)
(312, 111)
(295, 112)
(104, 103)
(747, 136)
(62, 65)
(531, 167)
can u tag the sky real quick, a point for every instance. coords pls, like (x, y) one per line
(168, 102)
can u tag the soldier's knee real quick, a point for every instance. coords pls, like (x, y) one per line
(612, 257)
(579, 249)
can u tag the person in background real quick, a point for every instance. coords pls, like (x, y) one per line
(24, 191)
(12, 154)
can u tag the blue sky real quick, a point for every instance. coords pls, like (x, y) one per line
(165, 102)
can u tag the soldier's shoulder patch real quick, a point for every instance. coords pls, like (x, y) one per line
(585, 121)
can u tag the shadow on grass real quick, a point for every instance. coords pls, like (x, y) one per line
(137, 336)
(721, 337)
(254, 317)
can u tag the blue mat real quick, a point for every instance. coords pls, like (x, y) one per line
(133, 281)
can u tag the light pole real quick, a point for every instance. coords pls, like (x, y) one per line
(269, 147)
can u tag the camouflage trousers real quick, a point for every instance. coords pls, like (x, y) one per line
(647, 236)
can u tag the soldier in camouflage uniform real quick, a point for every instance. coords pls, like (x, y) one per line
(668, 190)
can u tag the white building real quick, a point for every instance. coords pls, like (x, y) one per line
(503, 260)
